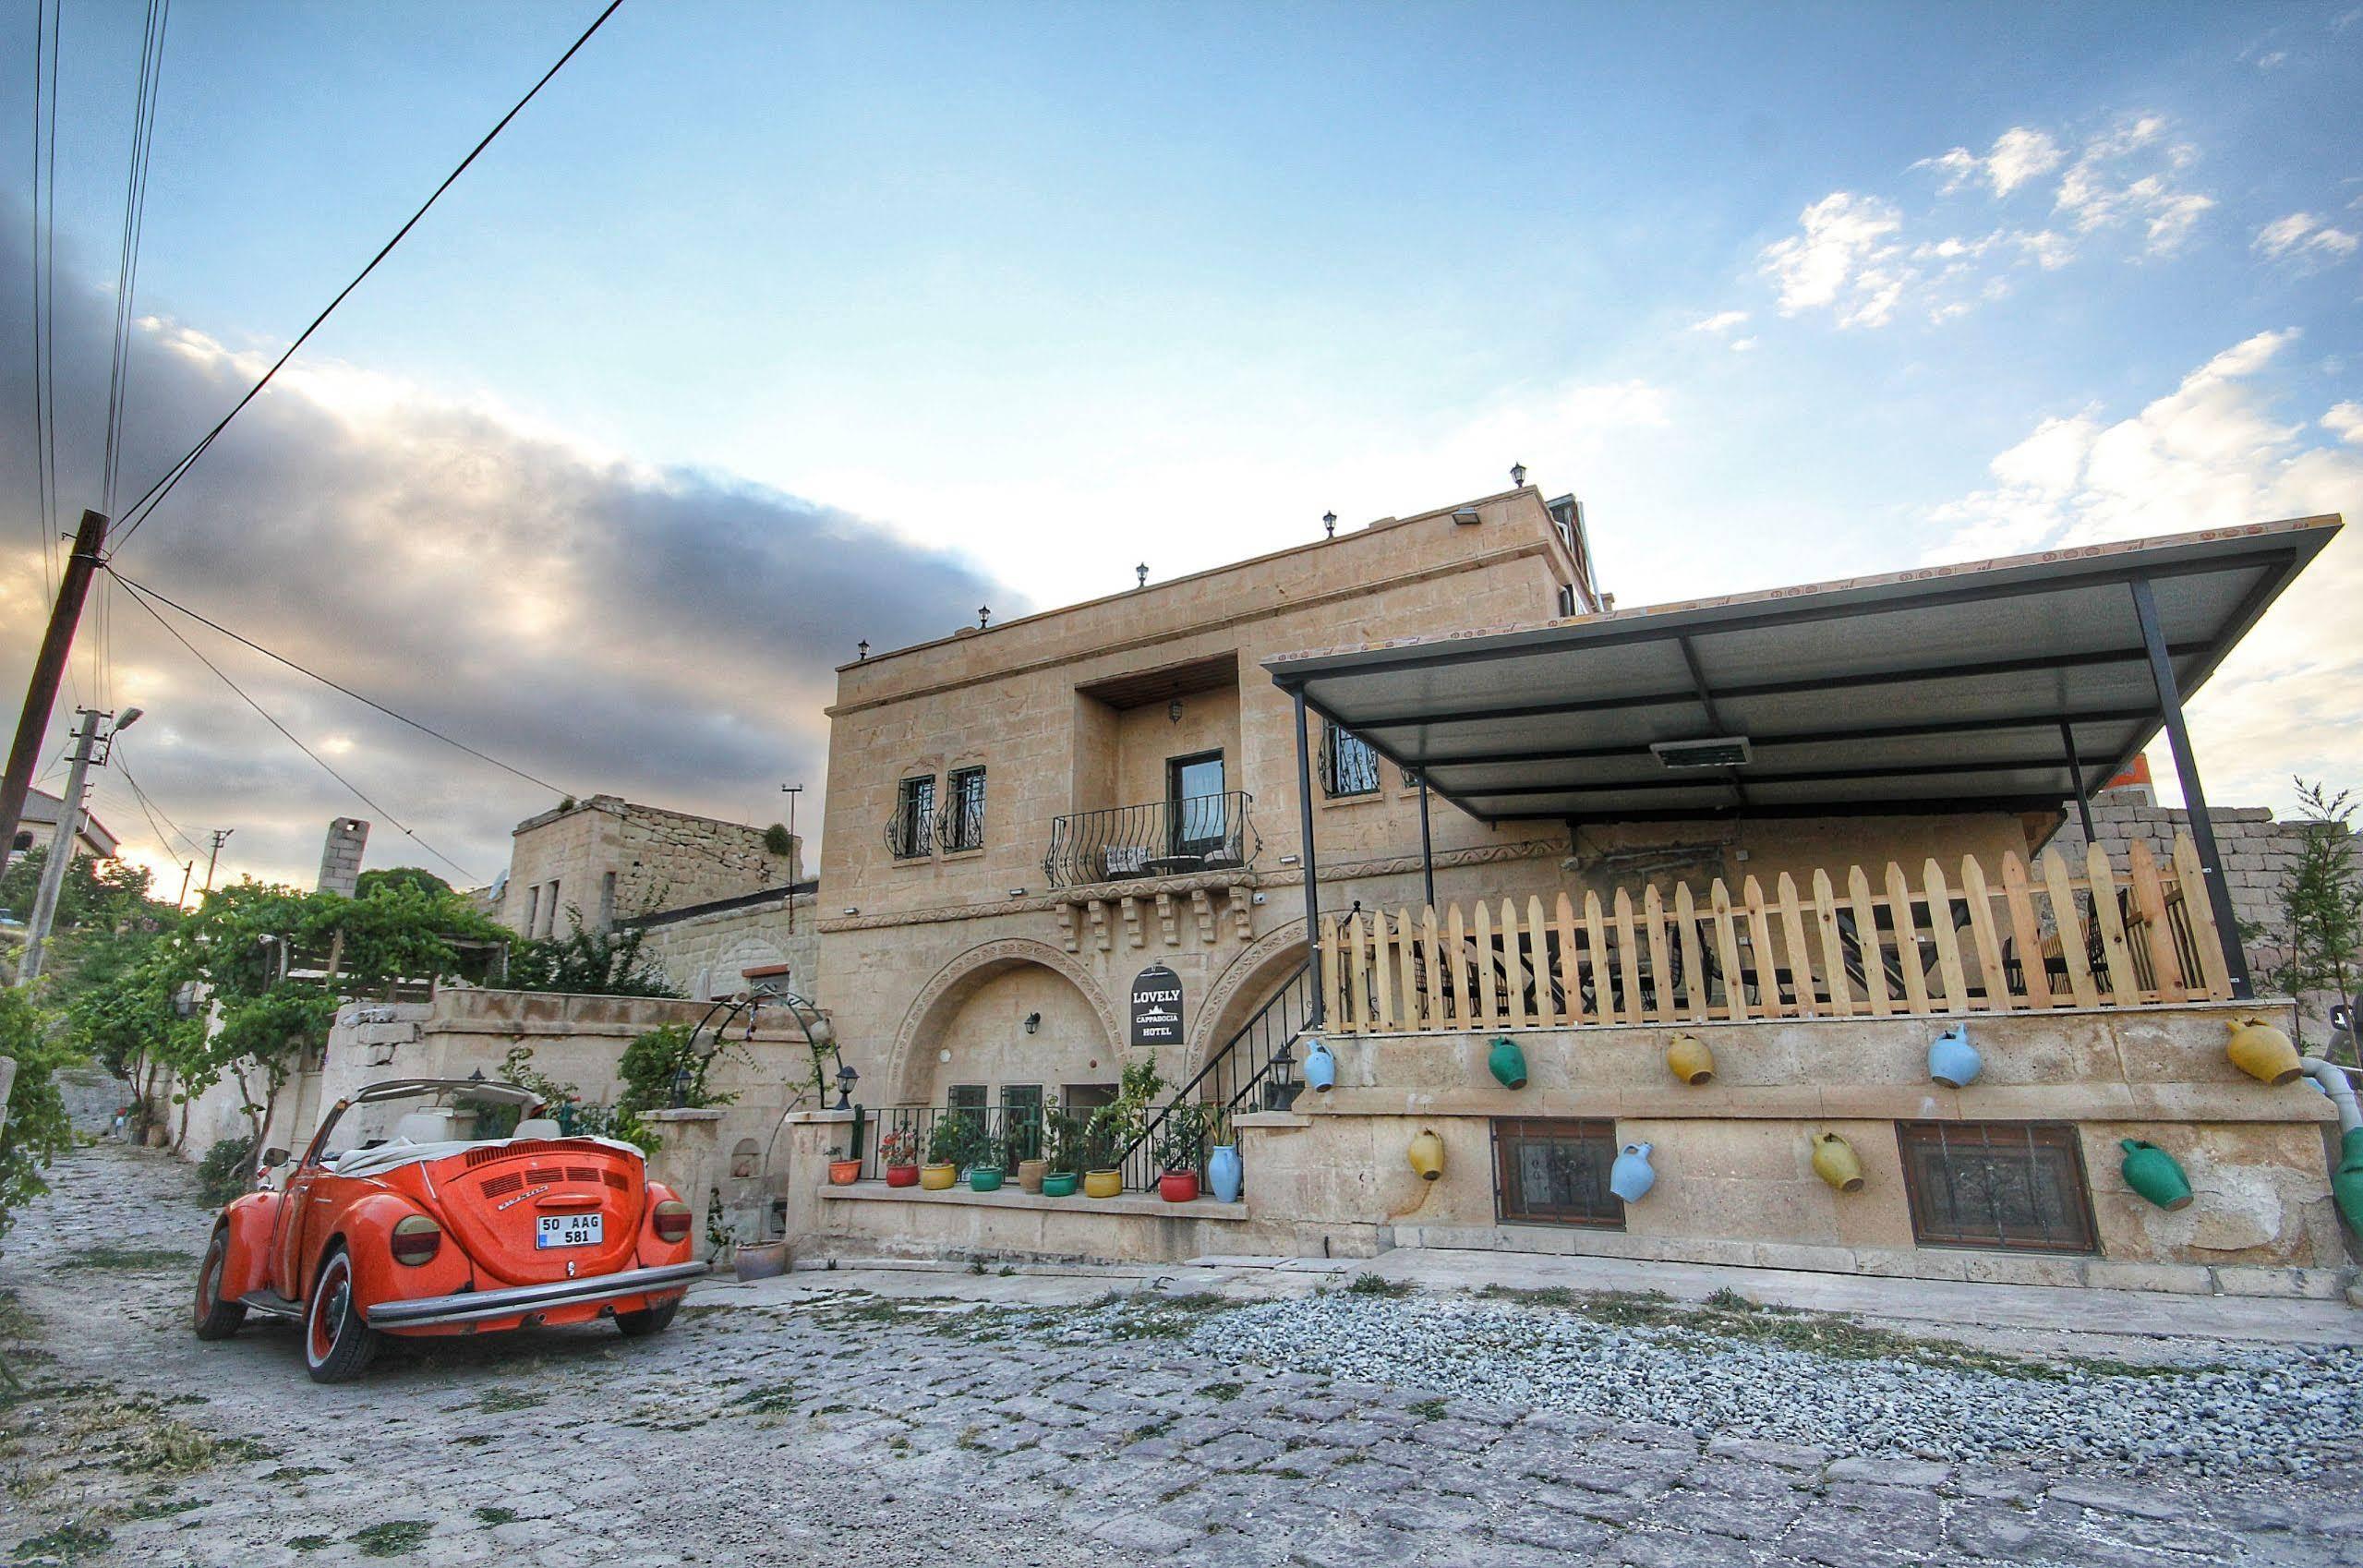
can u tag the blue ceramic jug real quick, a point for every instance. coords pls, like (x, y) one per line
(1631, 1177)
(1953, 1060)
(1320, 1067)
(1222, 1171)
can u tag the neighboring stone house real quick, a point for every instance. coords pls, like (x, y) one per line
(613, 860)
(39, 825)
(767, 938)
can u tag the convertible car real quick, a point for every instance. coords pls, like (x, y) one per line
(396, 1220)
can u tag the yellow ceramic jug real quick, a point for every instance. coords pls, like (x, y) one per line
(1427, 1155)
(1690, 1059)
(1834, 1162)
(2262, 1051)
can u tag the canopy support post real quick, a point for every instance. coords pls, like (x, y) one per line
(2202, 829)
(1427, 847)
(1314, 1016)
(2076, 777)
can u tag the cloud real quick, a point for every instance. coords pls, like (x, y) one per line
(665, 635)
(2102, 190)
(2210, 453)
(2019, 154)
(1847, 260)
(2302, 236)
(1723, 321)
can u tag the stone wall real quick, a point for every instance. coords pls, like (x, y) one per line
(612, 860)
(340, 855)
(719, 949)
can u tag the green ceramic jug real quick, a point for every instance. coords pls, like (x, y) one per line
(2151, 1171)
(1508, 1063)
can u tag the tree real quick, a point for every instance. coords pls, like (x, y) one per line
(590, 963)
(2321, 902)
(38, 1127)
(134, 1021)
(399, 876)
(95, 892)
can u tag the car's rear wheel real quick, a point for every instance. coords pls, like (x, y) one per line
(648, 1321)
(212, 1317)
(339, 1344)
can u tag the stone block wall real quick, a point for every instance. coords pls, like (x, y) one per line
(613, 860)
(708, 950)
(340, 856)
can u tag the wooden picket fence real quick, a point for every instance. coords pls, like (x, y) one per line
(2039, 941)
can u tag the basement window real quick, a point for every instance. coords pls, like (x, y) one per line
(2018, 1185)
(1555, 1172)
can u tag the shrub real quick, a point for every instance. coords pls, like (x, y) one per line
(225, 1171)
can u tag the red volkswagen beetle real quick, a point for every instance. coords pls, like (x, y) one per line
(397, 1220)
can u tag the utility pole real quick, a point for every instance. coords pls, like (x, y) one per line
(795, 865)
(61, 847)
(220, 837)
(187, 870)
(49, 668)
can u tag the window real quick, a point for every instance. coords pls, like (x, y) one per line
(1555, 1173)
(914, 815)
(961, 825)
(1197, 811)
(966, 1097)
(1348, 764)
(549, 910)
(2017, 1185)
(532, 909)
(606, 900)
(1566, 600)
(1020, 1099)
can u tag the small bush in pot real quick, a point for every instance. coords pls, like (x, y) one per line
(1062, 1146)
(842, 1172)
(1026, 1147)
(1180, 1137)
(898, 1155)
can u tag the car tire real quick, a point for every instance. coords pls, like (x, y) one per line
(339, 1344)
(648, 1321)
(212, 1317)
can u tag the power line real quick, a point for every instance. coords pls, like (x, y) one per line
(319, 761)
(139, 590)
(141, 510)
(135, 217)
(146, 805)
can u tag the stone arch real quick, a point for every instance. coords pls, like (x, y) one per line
(953, 984)
(1244, 986)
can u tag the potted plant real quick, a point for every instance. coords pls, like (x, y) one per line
(1062, 1141)
(1104, 1140)
(1024, 1147)
(842, 1172)
(899, 1152)
(987, 1162)
(1179, 1138)
(947, 1150)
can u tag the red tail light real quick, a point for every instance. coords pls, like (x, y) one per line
(672, 1220)
(416, 1239)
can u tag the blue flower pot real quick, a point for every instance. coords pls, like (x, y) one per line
(1631, 1177)
(1953, 1060)
(1320, 1067)
(1222, 1171)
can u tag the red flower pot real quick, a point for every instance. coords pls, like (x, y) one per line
(1177, 1187)
(902, 1176)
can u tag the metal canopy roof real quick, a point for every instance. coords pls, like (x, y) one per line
(1943, 689)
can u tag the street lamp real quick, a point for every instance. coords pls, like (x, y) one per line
(845, 1079)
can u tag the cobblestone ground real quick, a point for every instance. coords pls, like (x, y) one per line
(853, 1430)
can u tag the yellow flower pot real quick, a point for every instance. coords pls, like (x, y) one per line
(1835, 1163)
(1690, 1060)
(1427, 1155)
(2263, 1052)
(938, 1179)
(1102, 1183)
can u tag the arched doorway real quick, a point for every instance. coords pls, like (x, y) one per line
(1010, 1014)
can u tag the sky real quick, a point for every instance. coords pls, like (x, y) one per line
(768, 329)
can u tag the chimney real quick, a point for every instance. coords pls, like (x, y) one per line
(340, 857)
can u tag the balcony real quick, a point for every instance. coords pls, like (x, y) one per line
(1162, 838)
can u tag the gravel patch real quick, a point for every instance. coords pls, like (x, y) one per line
(2237, 1411)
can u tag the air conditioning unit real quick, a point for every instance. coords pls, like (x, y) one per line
(1723, 750)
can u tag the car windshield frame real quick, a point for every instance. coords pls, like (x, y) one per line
(434, 1091)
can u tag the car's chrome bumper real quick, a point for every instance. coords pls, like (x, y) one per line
(475, 1306)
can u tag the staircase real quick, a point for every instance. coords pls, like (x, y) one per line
(1256, 1069)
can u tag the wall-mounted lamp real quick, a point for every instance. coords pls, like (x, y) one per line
(1033, 1023)
(1328, 523)
(1144, 570)
(983, 616)
(1017, 892)
(1288, 859)
(1174, 711)
(864, 648)
(1517, 473)
(1468, 516)
(853, 909)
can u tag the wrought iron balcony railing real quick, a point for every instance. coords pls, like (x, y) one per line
(1165, 838)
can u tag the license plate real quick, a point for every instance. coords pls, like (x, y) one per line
(566, 1230)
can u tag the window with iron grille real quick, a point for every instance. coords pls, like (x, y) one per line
(1555, 1172)
(1349, 766)
(966, 1097)
(914, 815)
(960, 825)
(2016, 1184)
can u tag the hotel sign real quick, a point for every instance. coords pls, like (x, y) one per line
(1156, 1006)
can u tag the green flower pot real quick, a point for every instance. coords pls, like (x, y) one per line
(1060, 1184)
(1507, 1063)
(2151, 1171)
(983, 1178)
